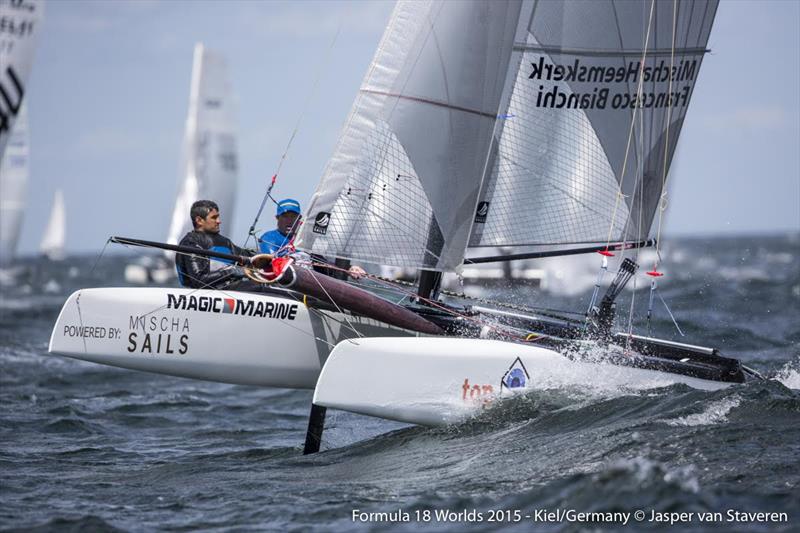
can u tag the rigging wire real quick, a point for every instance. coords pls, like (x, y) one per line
(434, 303)
(662, 204)
(314, 276)
(636, 110)
(306, 105)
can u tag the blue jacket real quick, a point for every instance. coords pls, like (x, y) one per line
(272, 241)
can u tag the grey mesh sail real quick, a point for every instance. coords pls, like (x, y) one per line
(582, 153)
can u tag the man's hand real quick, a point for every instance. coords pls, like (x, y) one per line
(356, 272)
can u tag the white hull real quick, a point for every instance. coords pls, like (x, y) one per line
(434, 381)
(141, 329)
(272, 341)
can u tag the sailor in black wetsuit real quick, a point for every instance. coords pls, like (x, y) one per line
(199, 272)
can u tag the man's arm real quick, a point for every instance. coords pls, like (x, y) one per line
(197, 268)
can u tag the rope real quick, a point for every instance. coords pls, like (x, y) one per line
(433, 303)
(314, 276)
(662, 204)
(268, 195)
(639, 90)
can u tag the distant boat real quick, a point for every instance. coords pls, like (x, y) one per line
(210, 162)
(20, 30)
(55, 234)
(14, 171)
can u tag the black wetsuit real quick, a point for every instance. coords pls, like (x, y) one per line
(199, 272)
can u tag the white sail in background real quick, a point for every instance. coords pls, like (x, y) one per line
(20, 23)
(579, 160)
(55, 234)
(403, 182)
(14, 171)
(210, 161)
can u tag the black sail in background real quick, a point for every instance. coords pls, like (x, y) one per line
(563, 169)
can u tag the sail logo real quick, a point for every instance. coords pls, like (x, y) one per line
(481, 213)
(321, 222)
(516, 377)
(232, 306)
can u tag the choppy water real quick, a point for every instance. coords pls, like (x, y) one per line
(89, 447)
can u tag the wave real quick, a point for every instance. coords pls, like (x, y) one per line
(714, 413)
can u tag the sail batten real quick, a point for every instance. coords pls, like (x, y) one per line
(666, 52)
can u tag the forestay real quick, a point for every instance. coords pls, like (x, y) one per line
(594, 116)
(403, 182)
(21, 25)
(209, 159)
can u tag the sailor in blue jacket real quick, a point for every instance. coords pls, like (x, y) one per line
(276, 242)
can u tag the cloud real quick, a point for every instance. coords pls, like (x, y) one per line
(301, 19)
(97, 17)
(750, 118)
(119, 142)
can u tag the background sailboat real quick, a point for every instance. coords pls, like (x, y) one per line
(55, 234)
(210, 161)
(14, 173)
(16, 59)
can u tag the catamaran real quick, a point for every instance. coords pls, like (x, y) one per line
(547, 128)
(209, 163)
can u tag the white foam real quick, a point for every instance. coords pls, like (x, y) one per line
(715, 413)
(789, 375)
(644, 470)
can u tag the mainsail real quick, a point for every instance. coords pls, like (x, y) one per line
(403, 182)
(594, 116)
(55, 234)
(19, 29)
(14, 170)
(209, 159)
(591, 96)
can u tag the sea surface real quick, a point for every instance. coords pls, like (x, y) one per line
(86, 447)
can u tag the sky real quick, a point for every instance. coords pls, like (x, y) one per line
(108, 97)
